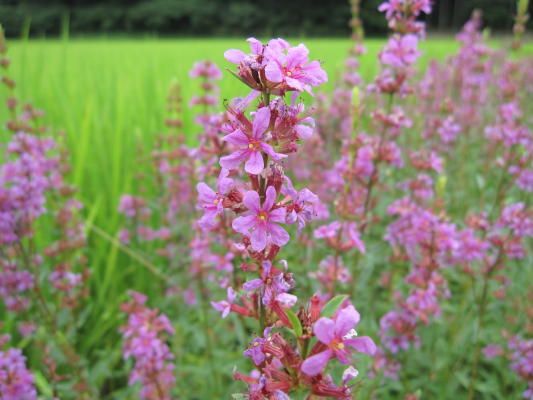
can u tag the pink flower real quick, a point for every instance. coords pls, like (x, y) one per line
(224, 306)
(290, 67)
(348, 237)
(339, 336)
(211, 201)
(400, 51)
(251, 145)
(302, 208)
(206, 69)
(16, 381)
(492, 351)
(277, 67)
(262, 220)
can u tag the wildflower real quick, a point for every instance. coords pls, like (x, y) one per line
(339, 336)
(262, 220)
(224, 306)
(144, 341)
(251, 145)
(212, 202)
(400, 51)
(206, 69)
(302, 208)
(16, 381)
(342, 235)
(289, 66)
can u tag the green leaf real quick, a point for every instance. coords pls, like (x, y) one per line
(295, 322)
(332, 306)
(42, 384)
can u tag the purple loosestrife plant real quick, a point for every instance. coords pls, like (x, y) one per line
(144, 337)
(16, 381)
(38, 278)
(261, 203)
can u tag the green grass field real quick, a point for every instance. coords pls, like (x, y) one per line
(109, 96)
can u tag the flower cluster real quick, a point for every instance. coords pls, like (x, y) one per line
(253, 193)
(144, 341)
(16, 381)
(35, 198)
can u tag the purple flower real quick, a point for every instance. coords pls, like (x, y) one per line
(340, 338)
(251, 146)
(274, 284)
(211, 201)
(492, 351)
(224, 306)
(290, 66)
(16, 381)
(262, 220)
(206, 69)
(145, 342)
(400, 51)
(255, 350)
(302, 209)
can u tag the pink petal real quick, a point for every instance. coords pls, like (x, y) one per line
(295, 84)
(205, 193)
(270, 151)
(270, 198)
(252, 285)
(324, 330)
(362, 344)
(208, 221)
(255, 163)
(315, 73)
(277, 215)
(346, 320)
(315, 364)
(279, 236)
(255, 45)
(296, 56)
(233, 160)
(261, 122)
(237, 138)
(243, 224)
(287, 300)
(303, 131)
(234, 56)
(273, 72)
(259, 238)
(251, 201)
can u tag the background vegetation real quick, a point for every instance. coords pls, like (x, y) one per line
(226, 17)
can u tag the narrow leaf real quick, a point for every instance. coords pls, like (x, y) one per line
(333, 305)
(295, 322)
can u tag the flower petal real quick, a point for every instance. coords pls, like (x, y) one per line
(315, 364)
(362, 344)
(252, 285)
(233, 160)
(237, 137)
(270, 198)
(324, 330)
(234, 56)
(261, 122)
(259, 238)
(255, 163)
(243, 224)
(277, 215)
(273, 72)
(347, 319)
(270, 151)
(205, 193)
(279, 236)
(251, 201)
